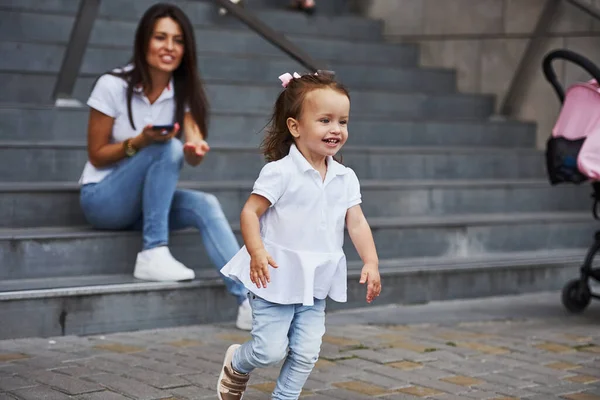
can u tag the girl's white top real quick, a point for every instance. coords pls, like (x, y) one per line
(303, 230)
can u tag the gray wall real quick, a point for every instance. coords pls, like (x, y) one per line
(484, 40)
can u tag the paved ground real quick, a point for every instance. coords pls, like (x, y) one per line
(522, 347)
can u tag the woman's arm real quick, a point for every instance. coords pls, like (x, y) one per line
(101, 152)
(195, 147)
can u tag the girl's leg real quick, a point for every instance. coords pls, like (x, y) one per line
(305, 337)
(270, 326)
(203, 212)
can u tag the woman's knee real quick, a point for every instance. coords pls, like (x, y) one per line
(206, 203)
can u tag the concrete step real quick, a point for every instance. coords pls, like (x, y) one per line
(259, 98)
(53, 252)
(112, 303)
(47, 58)
(33, 123)
(57, 203)
(53, 28)
(204, 14)
(64, 161)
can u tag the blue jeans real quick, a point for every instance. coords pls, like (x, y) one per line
(141, 194)
(275, 327)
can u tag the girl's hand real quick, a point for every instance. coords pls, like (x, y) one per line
(195, 150)
(370, 276)
(152, 135)
(259, 268)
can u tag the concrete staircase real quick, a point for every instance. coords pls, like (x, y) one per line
(459, 204)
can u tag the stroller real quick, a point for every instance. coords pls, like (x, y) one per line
(573, 156)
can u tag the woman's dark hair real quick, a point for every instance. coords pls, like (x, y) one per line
(278, 139)
(188, 85)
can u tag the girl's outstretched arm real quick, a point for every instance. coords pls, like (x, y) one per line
(362, 238)
(259, 258)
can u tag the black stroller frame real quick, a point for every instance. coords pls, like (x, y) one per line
(576, 294)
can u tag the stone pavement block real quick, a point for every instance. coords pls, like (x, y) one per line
(401, 396)
(585, 379)
(104, 395)
(119, 348)
(39, 393)
(405, 365)
(153, 378)
(206, 381)
(557, 390)
(479, 395)
(446, 355)
(185, 343)
(540, 369)
(420, 391)
(6, 357)
(18, 369)
(504, 390)
(313, 385)
(506, 381)
(480, 366)
(380, 357)
(193, 393)
(447, 396)
(341, 342)
(42, 362)
(403, 354)
(581, 396)
(9, 383)
(483, 348)
(356, 363)
(328, 377)
(341, 394)
(129, 387)
(65, 383)
(462, 380)
(380, 380)
(563, 366)
(586, 371)
(362, 387)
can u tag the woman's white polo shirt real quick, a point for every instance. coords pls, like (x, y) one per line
(109, 96)
(303, 230)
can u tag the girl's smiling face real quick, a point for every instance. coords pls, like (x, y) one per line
(322, 128)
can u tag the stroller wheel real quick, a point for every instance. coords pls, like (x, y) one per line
(576, 296)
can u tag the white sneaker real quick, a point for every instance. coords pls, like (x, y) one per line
(158, 264)
(244, 317)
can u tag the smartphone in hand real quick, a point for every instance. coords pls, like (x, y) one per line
(164, 129)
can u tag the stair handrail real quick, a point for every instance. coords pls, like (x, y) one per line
(73, 57)
(84, 22)
(275, 38)
(588, 9)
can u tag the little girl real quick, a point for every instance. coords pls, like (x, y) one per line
(293, 230)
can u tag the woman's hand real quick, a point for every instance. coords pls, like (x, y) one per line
(194, 151)
(151, 135)
(259, 268)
